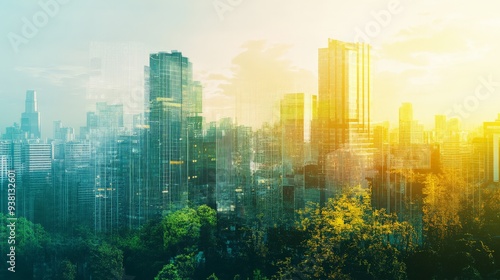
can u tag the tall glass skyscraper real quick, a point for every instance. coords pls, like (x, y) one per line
(405, 124)
(37, 163)
(30, 119)
(173, 97)
(297, 111)
(344, 97)
(344, 91)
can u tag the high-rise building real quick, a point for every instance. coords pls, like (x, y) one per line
(344, 93)
(104, 128)
(110, 116)
(439, 128)
(492, 147)
(30, 119)
(344, 105)
(196, 184)
(109, 186)
(453, 150)
(410, 131)
(297, 112)
(72, 197)
(66, 134)
(5, 165)
(37, 161)
(267, 191)
(13, 133)
(405, 124)
(173, 97)
(130, 170)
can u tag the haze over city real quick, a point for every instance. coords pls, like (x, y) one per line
(432, 54)
(249, 139)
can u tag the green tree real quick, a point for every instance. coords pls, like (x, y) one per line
(186, 233)
(31, 241)
(181, 230)
(348, 239)
(212, 277)
(208, 221)
(66, 271)
(441, 207)
(207, 215)
(464, 258)
(145, 255)
(168, 272)
(106, 262)
(491, 201)
(257, 275)
(182, 267)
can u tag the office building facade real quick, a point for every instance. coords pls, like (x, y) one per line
(173, 97)
(30, 119)
(344, 108)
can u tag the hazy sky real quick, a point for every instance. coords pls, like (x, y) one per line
(440, 55)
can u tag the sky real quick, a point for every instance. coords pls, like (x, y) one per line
(440, 56)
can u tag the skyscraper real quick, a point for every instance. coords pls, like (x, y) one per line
(492, 148)
(344, 93)
(109, 186)
(410, 131)
(66, 134)
(405, 124)
(37, 162)
(344, 96)
(30, 119)
(72, 197)
(297, 112)
(173, 97)
(439, 128)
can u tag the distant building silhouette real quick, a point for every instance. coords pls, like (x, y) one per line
(30, 119)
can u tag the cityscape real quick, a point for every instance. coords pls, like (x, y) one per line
(167, 178)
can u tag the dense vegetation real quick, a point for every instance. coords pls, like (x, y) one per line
(345, 239)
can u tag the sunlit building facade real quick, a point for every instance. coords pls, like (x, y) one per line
(344, 103)
(492, 144)
(410, 131)
(297, 112)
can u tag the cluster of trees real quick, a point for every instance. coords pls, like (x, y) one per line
(344, 239)
(171, 248)
(460, 224)
(43, 255)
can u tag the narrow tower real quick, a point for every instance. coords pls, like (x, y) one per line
(30, 119)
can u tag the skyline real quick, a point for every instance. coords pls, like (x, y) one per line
(419, 53)
(237, 139)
